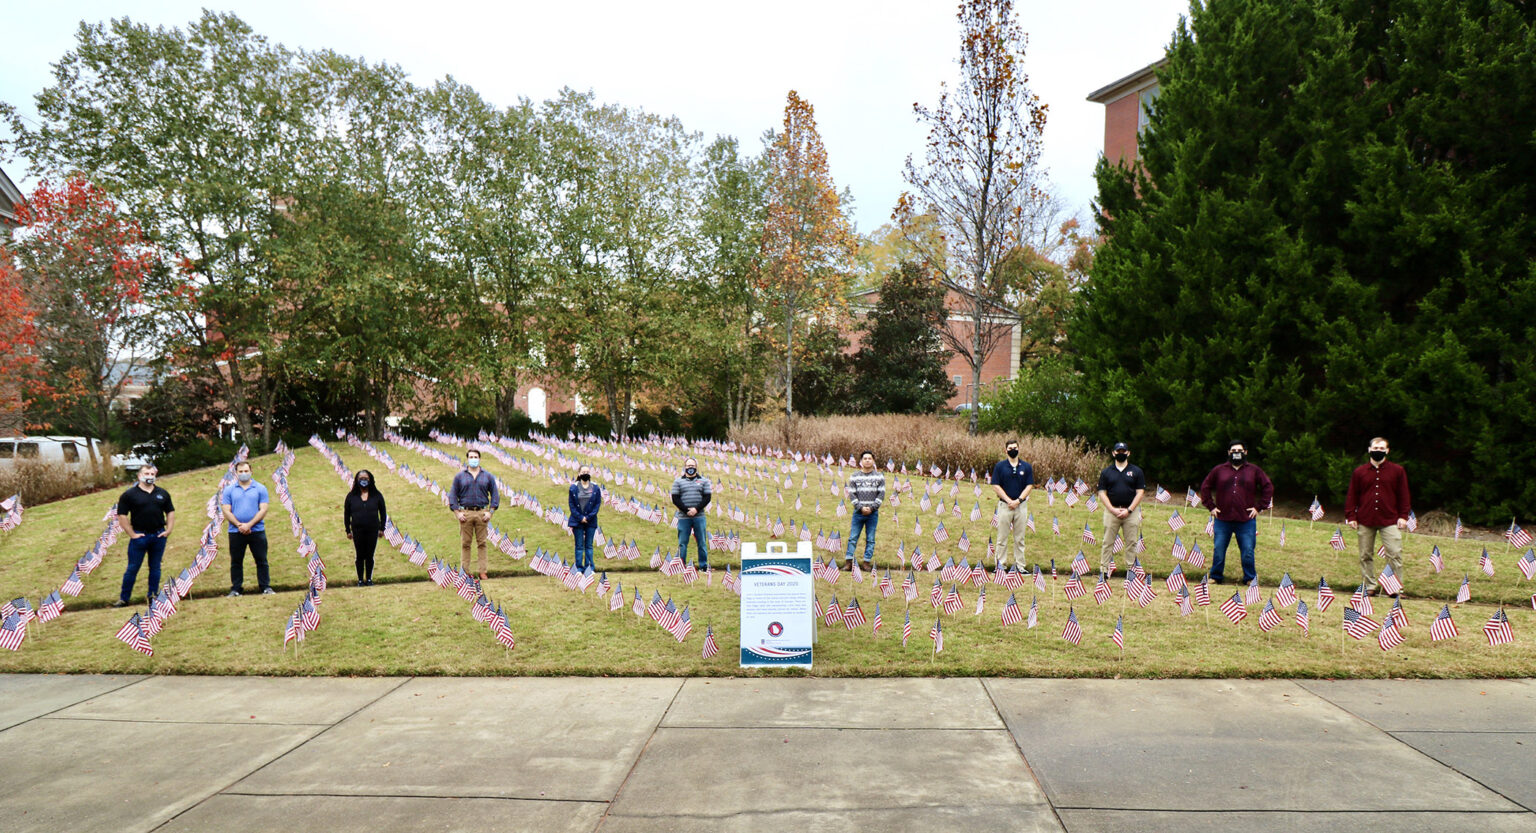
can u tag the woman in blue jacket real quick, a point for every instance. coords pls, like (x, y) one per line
(586, 498)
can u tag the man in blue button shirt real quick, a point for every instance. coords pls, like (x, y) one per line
(1012, 480)
(245, 506)
(473, 497)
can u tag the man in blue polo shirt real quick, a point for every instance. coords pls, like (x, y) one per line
(1012, 480)
(245, 505)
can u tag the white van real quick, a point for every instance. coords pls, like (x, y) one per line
(73, 453)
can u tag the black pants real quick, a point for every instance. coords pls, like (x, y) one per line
(365, 541)
(257, 542)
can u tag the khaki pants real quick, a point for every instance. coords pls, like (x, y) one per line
(1392, 537)
(472, 531)
(1011, 521)
(1129, 528)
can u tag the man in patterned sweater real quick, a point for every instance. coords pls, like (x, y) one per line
(866, 491)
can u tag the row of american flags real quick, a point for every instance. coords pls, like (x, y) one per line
(17, 614)
(11, 506)
(140, 628)
(306, 617)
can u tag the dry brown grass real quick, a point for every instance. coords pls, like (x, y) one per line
(934, 441)
(43, 482)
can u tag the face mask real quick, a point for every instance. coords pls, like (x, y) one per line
(1121, 457)
(147, 480)
(690, 471)
(1378, 456)
(474, 462)
(1013, 452)
(245, 477)
(1237, 457)
(363, 483)
(584, 478)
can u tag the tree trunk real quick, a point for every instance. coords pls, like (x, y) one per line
(506, 405)
(789, 364)
(269, 397)
(976, 358)
(234, 390)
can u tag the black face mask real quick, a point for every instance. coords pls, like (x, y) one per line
(1013, 452)
(363, 484)
(1121, 457)
(584, 477)
(1378, 456)
(1238, 457)
(690, 471)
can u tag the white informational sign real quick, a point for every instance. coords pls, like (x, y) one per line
(777, 626)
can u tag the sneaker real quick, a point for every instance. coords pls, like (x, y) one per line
(231, 594)
(119, 603)
(267, 591)
(368, 583)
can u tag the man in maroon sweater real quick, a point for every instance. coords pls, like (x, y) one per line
(1378, 502)
(1236, 492)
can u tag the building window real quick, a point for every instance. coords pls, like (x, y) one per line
(1148, 101)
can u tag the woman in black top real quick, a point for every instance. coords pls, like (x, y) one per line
(364, 514)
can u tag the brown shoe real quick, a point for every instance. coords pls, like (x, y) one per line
(483, 576)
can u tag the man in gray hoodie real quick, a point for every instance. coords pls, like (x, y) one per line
(691, 494)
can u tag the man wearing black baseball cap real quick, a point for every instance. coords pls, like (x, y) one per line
(1121, 488)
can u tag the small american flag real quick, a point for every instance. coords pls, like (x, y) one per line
(682, 625)
(1074, 587)
(833, 613)
(1316, 509)
(1444, 627)
(1034, 613)
(981, 601)
(1118, 637)
(1361, 601)
(877, 621)
(1435, 560)
(1079, 564)
(1109, 564)
(964, 544)
(853, 616)
(1093, 503)
(906, 630)
(1324, 595)
(1162, 495)
(885, 584)
(13, 632)
(1011, 612)
(1029, 521)
(1196, 558)
(1516, 537)
(1390, 636)
(1413, 521)
(1175, 522)
(1285, 594)
(1527, 564)
(1175, 581)
(1071, 499)
(73, 585)
(1269, 618)
(936, 633)
(50, 607)
(952, 600)
(1178, 549)
(1303, 620)
(1464, 594)
(1497, 629)
(1389, 582)
(940, 535)
(1072, 632)
(936, 593)
(1039, 579)
(1485, 563)
(1357, 624)
(1337, 541)
(1101, 591)
(639, 606)
(1203, 591)
(711, 647)
(1182, 599)
(502, 630)
(1055, 526)
(132, 633)
(293, 631)
(1190, 497)
(1282, 534)
(1398, 614)
(1234, 609)
(1141, 543)
(616, 602)
(1252, 594)
(909, 587)
(1456, 535)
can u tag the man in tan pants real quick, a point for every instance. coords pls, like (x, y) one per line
(473, 497)
(1012, 479)
(1121, 488)
(1378, 502)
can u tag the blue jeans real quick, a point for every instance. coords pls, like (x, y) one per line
(153, 544)
(694, 525)
(1245, 532)
(584, 546)
(868, 524)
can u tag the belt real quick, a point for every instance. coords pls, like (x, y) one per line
(473, 508)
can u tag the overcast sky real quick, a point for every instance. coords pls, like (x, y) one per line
(723, 67)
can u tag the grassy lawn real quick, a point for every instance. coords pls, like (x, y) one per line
(406, 625)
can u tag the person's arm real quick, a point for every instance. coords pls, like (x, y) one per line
(125, 525)
(1266, 492)
(851, 493)
(346, 515)
(597, 503)
(677, 496)
(1140, 482)
(492, 494)
(383, 516)
(1206, 498)
(261, 512)
(880, 493)
(1405, 502)
(170, 523)
(1352, 503)
(454, 502)
(707, 494)
(1029, 484)
(228, 508)
(572, 508)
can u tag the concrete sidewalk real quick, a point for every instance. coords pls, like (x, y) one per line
(93, 753)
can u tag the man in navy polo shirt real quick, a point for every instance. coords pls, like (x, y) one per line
(147, 514)
(1012, 480)
(245, 505)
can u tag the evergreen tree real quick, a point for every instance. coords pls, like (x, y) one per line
(900, 364)
(1330, 235)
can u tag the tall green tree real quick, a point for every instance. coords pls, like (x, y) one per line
(197, 133)
(900, 366)
(1330, 235)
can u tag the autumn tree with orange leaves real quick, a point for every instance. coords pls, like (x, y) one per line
(808, 243)
(84, 266)
(18, 348)
(980, 182)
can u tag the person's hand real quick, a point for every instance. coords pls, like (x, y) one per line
(692, 512)
(1252, 513)
(1216, 513)
(1402, 523)
(1352, 524)
(487, 516)
(867, 510)
(134, 535)
(349, 536)
(381, 533)
(460, 515)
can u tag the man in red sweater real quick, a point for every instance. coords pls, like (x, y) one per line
(1378, 502)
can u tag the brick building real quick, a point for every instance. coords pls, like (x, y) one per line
(1126, 105)
(1002, 363)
